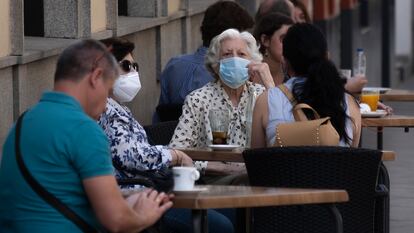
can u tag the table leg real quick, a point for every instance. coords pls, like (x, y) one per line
(200, 221)
(337, 217)
(379, 138)
(241, 219)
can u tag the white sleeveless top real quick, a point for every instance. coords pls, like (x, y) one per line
(280, 111)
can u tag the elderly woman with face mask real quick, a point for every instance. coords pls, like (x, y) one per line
(129, 143)
(232, 58)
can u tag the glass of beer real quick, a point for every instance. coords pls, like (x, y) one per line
(370, 97)
(219, 123)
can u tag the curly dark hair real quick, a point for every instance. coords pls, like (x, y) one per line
(305, 50)
(268, 24)
(223, 15)
(119, 47)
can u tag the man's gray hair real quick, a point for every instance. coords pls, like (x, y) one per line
(213, 55)
(82, 57)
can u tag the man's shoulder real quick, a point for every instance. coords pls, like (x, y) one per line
(77, 122)
(185, 60)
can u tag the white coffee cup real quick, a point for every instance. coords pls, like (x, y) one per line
(184, 178)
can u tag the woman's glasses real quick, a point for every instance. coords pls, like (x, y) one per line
(127, 65)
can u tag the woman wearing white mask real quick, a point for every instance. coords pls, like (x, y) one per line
(129, 143)
(233, 58)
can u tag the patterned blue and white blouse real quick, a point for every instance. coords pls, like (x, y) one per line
(129, 143)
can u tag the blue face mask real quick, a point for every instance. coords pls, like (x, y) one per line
(233, 71)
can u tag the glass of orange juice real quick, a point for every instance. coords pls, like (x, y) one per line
(370, 97)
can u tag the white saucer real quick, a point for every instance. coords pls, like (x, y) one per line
(381, 90)
(378, 113)
(223, 147)
(194, 190)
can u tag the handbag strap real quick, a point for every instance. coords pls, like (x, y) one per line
(288, 94)
(41, 191)
(298, 114)
(306, 106)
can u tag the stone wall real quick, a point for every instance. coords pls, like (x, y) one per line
(6, 102)
(23, 78)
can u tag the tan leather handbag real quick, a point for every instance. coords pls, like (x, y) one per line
(304, 132)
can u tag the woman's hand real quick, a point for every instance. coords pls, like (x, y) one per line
(221, 168)
(180, 158)
(355, 84)
(259, 73)
(387, 108)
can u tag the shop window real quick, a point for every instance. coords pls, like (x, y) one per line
(123, 7)
(33, 18)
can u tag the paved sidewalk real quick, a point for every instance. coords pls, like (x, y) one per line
(402, 169)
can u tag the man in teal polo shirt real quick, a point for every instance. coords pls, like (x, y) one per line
(68, 154)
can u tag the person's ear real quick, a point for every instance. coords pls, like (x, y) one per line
(265, 40)
(95, 77)
(328, 55)
(216, 68)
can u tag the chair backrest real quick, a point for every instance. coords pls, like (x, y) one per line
(160, 133)
(352, 169)
(169, 112)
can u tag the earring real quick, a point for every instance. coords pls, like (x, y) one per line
(266, 52)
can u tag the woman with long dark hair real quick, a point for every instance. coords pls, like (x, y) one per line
(316, 82)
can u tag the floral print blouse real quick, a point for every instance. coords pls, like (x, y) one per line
(193, 129)
(129, 143)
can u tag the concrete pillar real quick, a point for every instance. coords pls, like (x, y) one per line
(67, 18)
(112, 16)
(5, 19)
(6, 103)
(19, 72)
(17, 30)
(185, 35)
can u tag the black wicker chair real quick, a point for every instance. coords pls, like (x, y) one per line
(169, 112)
(355, 170)
(160, 133)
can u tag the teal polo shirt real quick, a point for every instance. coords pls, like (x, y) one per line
(61, 146)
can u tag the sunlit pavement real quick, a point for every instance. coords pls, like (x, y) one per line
(402, 169)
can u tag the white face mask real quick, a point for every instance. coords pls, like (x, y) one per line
(126, 87)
